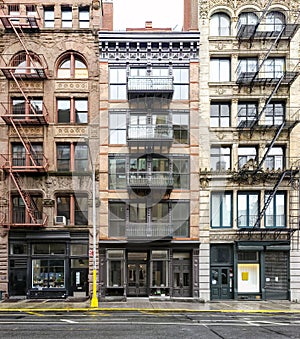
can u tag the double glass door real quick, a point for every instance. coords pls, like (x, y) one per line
(137, 279)
(221, 283)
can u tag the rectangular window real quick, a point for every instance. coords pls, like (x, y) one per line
(20, 156)
(220, 114)
(72, 157)
(49, 16)
(275, 113)
(275, 215)
(84, 17)
(220, 158)
(245, 155)
(181, 128)
(181, 173)
(66, 17)
(117, 84)
(273, 68)
(247, 113)
(180, 217)
(22, 108)
(181, 83)
(117, 219)
(115, 268)
(275, 158)
(31, 11)
(248, 208)
(74, 207)
(221, 210)
(14, 13)
(48, 273)
(72, 110)
(20, 214)
(159, 269)
(220, 70)
(247, 65)
(117, 128)
(248, 278)
(117, 173)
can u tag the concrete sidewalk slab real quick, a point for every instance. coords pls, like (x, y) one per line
(144, 304)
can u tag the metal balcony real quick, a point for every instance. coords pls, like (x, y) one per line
(36, 163)
(154, 85)
(261, 78)
(149, 230)
(145, 135)
(20, 219)
(150, 180)
(25, 23)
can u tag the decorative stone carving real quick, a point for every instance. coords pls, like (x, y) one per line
(28, 131)
(27, 85)
(67, 131)
(70, 86)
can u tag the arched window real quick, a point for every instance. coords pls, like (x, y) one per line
(275, 20)
(26, 63)
(220, 25)
(247, 18)
(72, 66)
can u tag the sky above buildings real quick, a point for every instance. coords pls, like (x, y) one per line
(134, 13)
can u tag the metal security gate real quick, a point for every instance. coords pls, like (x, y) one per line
(277, 275)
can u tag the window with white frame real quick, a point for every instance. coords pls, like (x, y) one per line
(246, 154)
(220, 114)
(117, 128)
(247, 18)
(221, 210)
(247, 65)
(273, 68)
(181, 83)
(275, 215)
(275, 21)
(117, 84)
(247, 208)
(247, 112)
(220, 24)
(180, 122)
(220, 158)
(275, 113)
(220, 69)
(275, 158)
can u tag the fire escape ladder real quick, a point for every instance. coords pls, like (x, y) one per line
(28, 202)
(279, 129)
(27, 145)
(270, 197)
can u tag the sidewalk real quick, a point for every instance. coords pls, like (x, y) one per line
(144, 304)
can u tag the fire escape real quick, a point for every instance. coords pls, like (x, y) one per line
(25, 112)
(272, 80)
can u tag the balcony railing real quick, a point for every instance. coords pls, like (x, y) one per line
(19, 218)
(266, 78)
(153, 179)
(149, 230)
(145, 134)
(18, 163)
(150, 84)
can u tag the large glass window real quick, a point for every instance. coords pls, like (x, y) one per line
(220, 70)
(220, 114)
(21, 107)
(115, 268)
(221, 209)
(117, 173)
(247, 18)
(20, 156)
(181, 128)
(20, 214)
(273, 68)
(117, 128)
(117, 84)
(72, 66)
(160, 268)
(26, 63)
(48, 273)
(180, 216)
(248, 208)
(220, 158)
(181, 83)
(73, 207)
(220, 24)
(77, 162)
(275, 21)
(247, 65)
(117, 219)
(248, 278)
(49, 16)
(181, 173)
(275, 215)
(72, 110)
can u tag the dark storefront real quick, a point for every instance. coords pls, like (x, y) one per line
(149, 270)
(250, 271)
(48, 264)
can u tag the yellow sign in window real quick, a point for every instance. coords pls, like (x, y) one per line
(245, 276)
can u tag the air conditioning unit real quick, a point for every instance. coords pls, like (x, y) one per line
(60, 220)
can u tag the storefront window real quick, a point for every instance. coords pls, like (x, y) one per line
(160, 268)
(48, 273)
(79, 249)
(115, 276)
(52, 248)
(248, 278)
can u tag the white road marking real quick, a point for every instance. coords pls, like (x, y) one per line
(69, 321)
